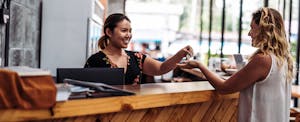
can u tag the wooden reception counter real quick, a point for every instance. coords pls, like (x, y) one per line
(188, 101)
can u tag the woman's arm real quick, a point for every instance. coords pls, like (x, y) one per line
(195, 72)
(256, 70)
(154, 67)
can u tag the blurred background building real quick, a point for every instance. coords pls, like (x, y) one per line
(62, 33)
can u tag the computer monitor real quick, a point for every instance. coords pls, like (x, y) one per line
(238, 58)
(110, 76)
(239, 61)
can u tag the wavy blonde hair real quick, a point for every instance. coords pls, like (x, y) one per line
(271, 38)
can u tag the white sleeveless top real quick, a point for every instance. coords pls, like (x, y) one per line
(267, 100)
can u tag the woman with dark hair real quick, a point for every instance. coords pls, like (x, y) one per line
(117, 34)
(265, 82)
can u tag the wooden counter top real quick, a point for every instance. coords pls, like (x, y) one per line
(147, 96)
(163, 88)
(296, 91)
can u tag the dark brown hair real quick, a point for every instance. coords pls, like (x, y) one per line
(110, 23)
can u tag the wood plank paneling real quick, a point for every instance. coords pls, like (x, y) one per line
(151, 114)
(201, 111)
(107, 117)
(168, 102)
(206, 111)
(178, 114)
(164, 115)
(230, 111)
(210, 113)
(234, 117)
(191, 111)
(223, 108)
(136, 116)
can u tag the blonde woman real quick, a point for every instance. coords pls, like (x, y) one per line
(265, 82)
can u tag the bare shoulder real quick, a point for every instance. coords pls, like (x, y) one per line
(262, 59)
(262, 63)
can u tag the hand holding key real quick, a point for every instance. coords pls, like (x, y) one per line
(189, 52)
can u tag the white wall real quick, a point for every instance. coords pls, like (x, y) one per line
(115, 6)
(64, 33)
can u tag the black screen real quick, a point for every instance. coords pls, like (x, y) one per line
(110, 76)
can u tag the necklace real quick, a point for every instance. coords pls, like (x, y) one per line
(114, 65)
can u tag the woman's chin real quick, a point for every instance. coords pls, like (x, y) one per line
(253, 44)
(124, 46)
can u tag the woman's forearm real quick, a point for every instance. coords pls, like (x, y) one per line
(171, 62)
(213, 78)
(154, 67)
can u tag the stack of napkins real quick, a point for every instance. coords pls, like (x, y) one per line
(28, 71)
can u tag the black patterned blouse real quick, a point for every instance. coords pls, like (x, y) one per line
(134, 66)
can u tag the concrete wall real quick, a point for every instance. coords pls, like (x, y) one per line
(24, 35)
(24, 41)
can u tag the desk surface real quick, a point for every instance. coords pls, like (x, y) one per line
(148, 96)
(163, 88)
(296, 91)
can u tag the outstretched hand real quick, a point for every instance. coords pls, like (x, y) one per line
(190, 64)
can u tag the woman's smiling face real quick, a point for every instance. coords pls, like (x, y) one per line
(121, 34)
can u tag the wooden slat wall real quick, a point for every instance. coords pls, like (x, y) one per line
(210, 111)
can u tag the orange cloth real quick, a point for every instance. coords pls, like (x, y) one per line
(34, 92)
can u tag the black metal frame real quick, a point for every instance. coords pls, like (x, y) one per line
(266, 3)
(290, 20)
(297, 57)
(40, 35)
(201, 22)
(240, 27)
(210, 27)
(283, 13)
(6, 43)
(223, 27)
